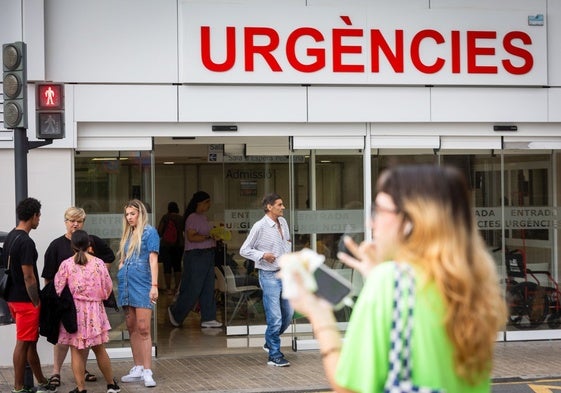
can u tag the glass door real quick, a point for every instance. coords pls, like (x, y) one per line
(245, 180)
(531, 248)
(328, 188)
(236, 173)
(104, 182)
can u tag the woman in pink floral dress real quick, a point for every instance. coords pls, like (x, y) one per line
(90, 284)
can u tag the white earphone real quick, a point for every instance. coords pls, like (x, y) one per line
(407, 228)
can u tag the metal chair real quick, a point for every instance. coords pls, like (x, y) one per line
(242, 293)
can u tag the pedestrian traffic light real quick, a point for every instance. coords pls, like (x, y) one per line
(14, 84)
(50, 110)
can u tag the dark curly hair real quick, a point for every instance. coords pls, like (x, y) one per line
(28, 208)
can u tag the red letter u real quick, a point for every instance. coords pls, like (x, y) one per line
(230, 50)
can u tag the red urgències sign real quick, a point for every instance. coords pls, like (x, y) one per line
(465, 48)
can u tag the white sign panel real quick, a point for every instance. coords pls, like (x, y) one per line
(329, 221)
(241, 219)
(534, 217)
(369, 45)
(106, 226)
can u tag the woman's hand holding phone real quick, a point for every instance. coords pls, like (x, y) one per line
(333, 287)
(306, 302)
(359, 257)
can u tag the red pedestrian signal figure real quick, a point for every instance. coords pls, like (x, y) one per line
(49, 96)
(50, 110)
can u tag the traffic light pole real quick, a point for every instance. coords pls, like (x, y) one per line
(14, 88)
(21, 148)
(20, 163)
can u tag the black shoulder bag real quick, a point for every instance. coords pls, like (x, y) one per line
(5, 274)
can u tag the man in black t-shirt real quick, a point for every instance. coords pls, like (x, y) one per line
(23, 295)
(59, 250)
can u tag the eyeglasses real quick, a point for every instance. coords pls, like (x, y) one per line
(377, 209)
(74, 221)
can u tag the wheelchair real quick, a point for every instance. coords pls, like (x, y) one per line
(531, 301)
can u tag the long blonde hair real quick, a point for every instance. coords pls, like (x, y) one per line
(440, 236)
(133, 233)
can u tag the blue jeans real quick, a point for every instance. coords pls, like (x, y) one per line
(278, 312)
(197, 283)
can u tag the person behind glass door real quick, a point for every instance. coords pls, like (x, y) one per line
(171, 254)
(268, 239)
(138, 287)
(422, 217)
(89, 283)
(59, 250)
(197, 281)
(23, 295)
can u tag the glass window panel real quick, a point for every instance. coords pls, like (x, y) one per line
(104, 182)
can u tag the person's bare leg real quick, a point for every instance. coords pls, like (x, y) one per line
(35, 362)
(78, 367)
(59, 355)
(19, 359)
(144, 337)
(130, 319)
(104, 363)
(89, 375)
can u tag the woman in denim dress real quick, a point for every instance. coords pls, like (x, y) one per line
(138, 287)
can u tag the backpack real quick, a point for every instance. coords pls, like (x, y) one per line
(170, 233)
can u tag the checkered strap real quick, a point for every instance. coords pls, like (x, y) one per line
(399, 374)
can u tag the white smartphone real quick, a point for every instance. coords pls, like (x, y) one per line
(332, 287)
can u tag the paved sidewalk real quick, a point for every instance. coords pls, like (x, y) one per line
(527, 359)
(249, 373)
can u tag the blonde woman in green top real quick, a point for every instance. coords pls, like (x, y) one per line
(421, 216)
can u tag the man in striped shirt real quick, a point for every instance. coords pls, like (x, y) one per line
(268, 239)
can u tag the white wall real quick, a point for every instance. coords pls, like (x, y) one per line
(137, 43)
(130, 41)
(369, 103)
(242, 103)
(138, 40)
(488, 104)
(554, 42)
(50, 179)
(150, 105)
(30, 12)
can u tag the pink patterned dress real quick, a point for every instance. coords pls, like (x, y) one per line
(89, 284)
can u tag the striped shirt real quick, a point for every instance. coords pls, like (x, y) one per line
(265, 237)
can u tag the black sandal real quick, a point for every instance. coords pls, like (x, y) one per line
(90, 377)
(55, 380)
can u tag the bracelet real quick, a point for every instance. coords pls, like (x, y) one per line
(325, 354)
(155, 285)
(331, 327)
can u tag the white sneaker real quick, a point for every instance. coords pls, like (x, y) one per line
(135, 374)
(211, 324)
(148, 379)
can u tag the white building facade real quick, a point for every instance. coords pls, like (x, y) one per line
(308, 98)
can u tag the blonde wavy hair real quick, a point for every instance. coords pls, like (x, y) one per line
(441, 237)
(132, 233)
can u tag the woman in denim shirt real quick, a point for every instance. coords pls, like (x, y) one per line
(138, 287)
